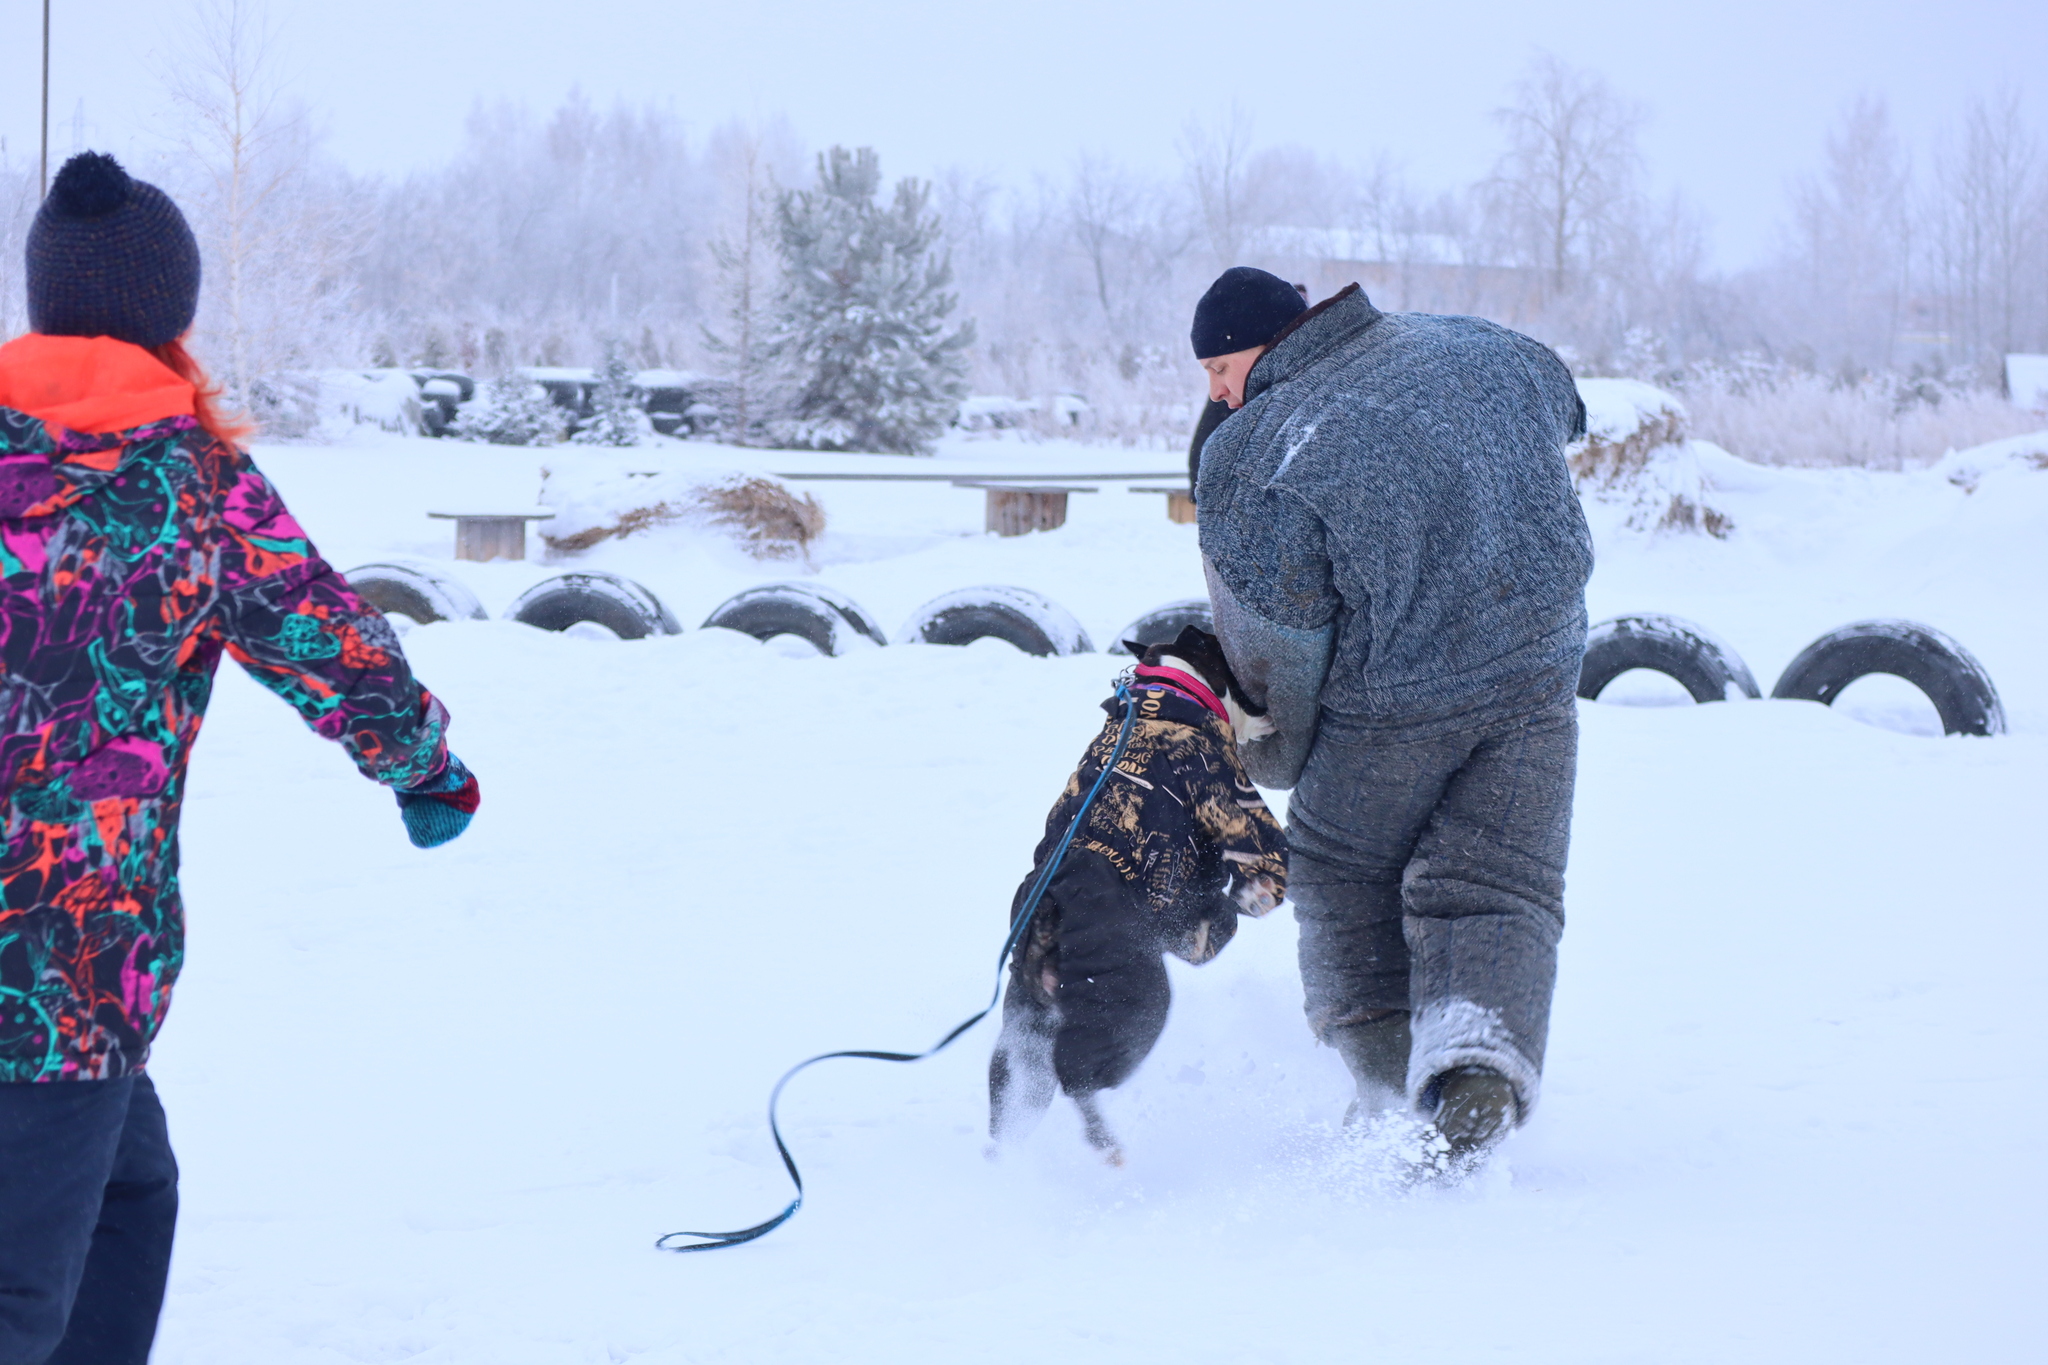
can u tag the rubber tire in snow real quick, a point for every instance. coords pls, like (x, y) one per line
(1950, 676)
(831, 623)
(1030, 622)
(426, 597)
(1162, 624)
(1700, 663)
(618, 604)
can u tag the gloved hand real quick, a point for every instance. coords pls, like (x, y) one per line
(439, 808)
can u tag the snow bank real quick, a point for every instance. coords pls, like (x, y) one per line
(2026, 379)
(596, 501)
(1967, 469)
(1636, 454)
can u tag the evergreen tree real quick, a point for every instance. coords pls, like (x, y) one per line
(860, 314)
(616, 418)
(511, 410)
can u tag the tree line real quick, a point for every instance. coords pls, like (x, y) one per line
(843, 310)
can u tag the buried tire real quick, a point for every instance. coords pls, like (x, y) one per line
(620, 605)
(401, 590)
(1032, 623)
(831, 623)
(1164, 624)
(1950, 676)
(1701, 664)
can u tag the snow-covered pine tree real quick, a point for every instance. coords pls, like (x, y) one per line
(859, 317)
(510, 410)
(616, 418)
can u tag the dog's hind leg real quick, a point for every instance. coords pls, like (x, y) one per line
(1021, 1083)
(1096, 1130)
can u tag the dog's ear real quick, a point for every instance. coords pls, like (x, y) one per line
(1195, 643)
(1135, 650)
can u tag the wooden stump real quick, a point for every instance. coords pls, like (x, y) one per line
(486, 537)
(1180, 504)
(1014, 512)
(1015, 509)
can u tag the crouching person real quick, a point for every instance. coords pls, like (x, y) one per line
(1397, 563)
(1176, 845)
(138, 544)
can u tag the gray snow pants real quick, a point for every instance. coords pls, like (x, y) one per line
(1426, 867)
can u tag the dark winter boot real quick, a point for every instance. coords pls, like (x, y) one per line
(1376, 1050)
(1475, 1108)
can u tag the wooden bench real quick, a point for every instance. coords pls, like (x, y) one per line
(1017, 508)
(484, 536)
(1180, 503)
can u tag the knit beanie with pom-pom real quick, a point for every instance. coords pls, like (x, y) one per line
(110, 256)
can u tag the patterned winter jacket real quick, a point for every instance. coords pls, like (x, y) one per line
(132, 559)
(1178, 820)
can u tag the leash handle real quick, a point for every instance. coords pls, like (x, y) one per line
(717, 1241)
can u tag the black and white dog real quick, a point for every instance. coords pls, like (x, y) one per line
(1177, 845)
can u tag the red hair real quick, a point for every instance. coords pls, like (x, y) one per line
(229, 428)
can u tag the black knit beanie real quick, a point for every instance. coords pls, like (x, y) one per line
(1246, 307)
(110, 256)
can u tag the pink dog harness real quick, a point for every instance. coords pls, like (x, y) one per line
(1185, 683)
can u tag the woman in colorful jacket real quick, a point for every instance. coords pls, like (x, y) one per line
(138, 544)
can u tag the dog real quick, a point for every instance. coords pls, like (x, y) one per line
(1176, 846)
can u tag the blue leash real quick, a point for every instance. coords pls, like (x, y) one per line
(715, 1241)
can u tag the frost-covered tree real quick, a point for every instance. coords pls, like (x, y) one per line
(1567, 189)
(281, 227)
(860, 313)
(511, 410)
(745, 158)
(616, 418)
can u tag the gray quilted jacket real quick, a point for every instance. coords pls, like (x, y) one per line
(1389, 527)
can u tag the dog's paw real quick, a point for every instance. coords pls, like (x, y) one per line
(1243, 724)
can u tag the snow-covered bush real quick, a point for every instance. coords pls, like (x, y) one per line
(1637, 453)
(386, 399)
(759, 513)
(1771, 413)
(859, 319)
(1057, 414)
(616, 416)
(510, 410)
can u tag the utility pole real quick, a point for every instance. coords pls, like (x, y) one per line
(46, 98)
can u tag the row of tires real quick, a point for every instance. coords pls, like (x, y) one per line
(1953, 680)
(832, 622)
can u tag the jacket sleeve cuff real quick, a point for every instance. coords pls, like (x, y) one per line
(1282, 668)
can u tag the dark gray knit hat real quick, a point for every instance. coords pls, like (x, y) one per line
(110, 256)
(1246, 307)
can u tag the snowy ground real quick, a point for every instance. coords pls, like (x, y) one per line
(436, 1106)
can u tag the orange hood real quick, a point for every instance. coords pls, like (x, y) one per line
(91, 384)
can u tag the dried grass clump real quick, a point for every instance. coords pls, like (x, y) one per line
(1604, 462)
(762, 515)
(1638, 453)
(1684, 514)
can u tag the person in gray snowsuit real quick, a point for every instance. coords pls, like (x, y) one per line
(1397, 563)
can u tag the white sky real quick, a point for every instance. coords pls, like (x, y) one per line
(1741, 92)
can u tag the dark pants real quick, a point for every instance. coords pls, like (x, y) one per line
(1087, 996)
(88, 1203)
(1427, 871)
